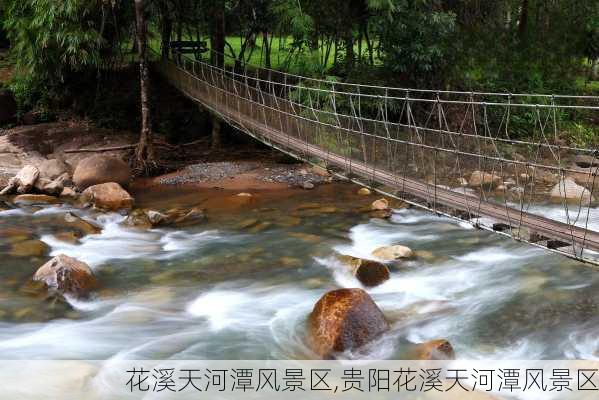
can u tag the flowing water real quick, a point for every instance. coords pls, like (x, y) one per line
(241, 285)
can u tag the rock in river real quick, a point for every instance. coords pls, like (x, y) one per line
(344, 319)
(110, 196)
(29, 248)
(370, 273)
(484, 179)
(439, 349)
(29, 199)
(567, 189)
(75, 222)
(380, 205)
(23, 182)
(100, 169)
(393, 253)
(67, 275)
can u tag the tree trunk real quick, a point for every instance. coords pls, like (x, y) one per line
(216, 129)
(145, 156)
(266, 45)
(167, 29)
(349, 51)
(523, 22)
(217, 39)
(595, 69)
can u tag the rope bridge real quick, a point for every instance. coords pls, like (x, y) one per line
(460, 154)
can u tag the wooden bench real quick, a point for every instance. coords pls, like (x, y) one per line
(189, 47)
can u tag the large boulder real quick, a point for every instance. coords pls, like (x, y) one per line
(23, 182)
(108, 196)
(393, 253)
(52, 169)
(484, 179)
(567, 189)
(8, 106)
(67, 275)
(344, 319)
(370, 273)
(99, 169)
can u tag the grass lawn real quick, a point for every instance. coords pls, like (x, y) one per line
(283, 54)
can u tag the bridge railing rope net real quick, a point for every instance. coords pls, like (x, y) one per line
(493, 159)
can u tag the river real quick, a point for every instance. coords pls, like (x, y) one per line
(241, 285)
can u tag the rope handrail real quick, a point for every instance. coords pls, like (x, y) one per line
(408, 91)
(412, 99)
(405, 89)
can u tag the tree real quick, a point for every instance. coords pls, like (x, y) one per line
(217, 32)
(415, 40)
(144, 155)
(50, 39)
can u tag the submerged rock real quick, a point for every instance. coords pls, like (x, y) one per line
(248, 223)
(29, 248)
(110, 196)
(73, 221)
(67, 275)
(342, 320)
(71, 237)
(370, 273)
(439, 349)
(99, 169)
(35, 199)
(183, 218)
(393, 253)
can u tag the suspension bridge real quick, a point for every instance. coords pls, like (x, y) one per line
(459, 154)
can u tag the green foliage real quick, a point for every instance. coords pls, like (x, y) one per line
(49, 40)
(415, 40)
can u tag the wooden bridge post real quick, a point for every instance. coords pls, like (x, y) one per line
(216, 131)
